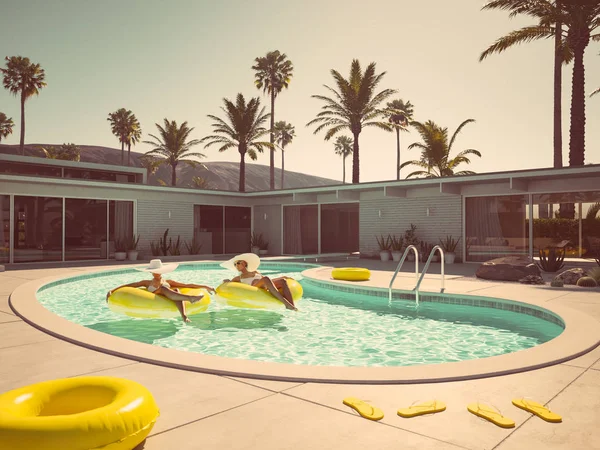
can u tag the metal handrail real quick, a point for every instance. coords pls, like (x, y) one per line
(416, 289)
(404, 255)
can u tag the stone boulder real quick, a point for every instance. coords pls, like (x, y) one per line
(508, 268)
(571, 276)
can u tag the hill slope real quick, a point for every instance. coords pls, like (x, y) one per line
(219, 175)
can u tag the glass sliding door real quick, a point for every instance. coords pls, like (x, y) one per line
(339, 228)
(38, 229)
(85, 229)
(208, 228)
(237, 229)
(496, 226)
(300, 229)
(120, 225)
(5, 224)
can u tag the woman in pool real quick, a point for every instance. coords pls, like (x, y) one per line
(166, 288)
(246, 264)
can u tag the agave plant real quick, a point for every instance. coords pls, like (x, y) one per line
(551, 259)
(385, 243)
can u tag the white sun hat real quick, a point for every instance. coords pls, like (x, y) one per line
(157, 266)
(251, 259)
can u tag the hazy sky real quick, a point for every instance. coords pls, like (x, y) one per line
(178, 59)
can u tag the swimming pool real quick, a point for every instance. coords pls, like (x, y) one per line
(333, 328)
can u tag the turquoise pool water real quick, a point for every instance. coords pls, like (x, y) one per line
(331, 329)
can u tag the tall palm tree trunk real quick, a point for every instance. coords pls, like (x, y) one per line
(242, 186)
(272, 140)
(355, 160)
(173, 174)
(577, 132)
(398, 153)
(22, 142)
(129, 153)
(558, 60)
(122, 153)
(282, 170)
(344, 169)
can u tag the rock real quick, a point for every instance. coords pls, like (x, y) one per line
(571, 276)
(508, 268)
(532, 279)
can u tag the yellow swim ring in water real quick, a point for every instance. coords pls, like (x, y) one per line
(242, 295)
(136, 302)
(351, 274)
(78, 413)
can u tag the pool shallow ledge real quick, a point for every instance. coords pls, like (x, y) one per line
(581, 334)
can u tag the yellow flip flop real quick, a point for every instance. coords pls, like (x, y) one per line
(488, 413)
(430, 407)
(364, 409)
(536, 408)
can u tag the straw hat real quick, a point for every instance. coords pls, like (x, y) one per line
(157, 266)
(251, 259)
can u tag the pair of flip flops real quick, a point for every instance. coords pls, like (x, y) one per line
(493, 415)
(372, 413)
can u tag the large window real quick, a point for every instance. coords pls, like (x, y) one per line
(300, 229)
(339, 228)
(38, 229)
(237, 229)
(496, 226)
(208, 228)
(120, 225)
(5, 224)
(85, 229)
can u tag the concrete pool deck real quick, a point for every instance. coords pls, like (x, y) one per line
(205, 411)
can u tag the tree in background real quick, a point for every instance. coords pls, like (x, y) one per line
(284, 135)
(273, 73)
(173, 147)
(6, 126)
(201, 183)
(243, 129)
(354, 106)
(400, 115)
(435, 151)
(343, 147)
(119, 124)
(66, 152)
(23, 78)
(133, 134)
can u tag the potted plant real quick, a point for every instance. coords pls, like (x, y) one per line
(264, 248)
(256, 242)
(132, 253)
(426, 248)
(120, 249)
(410, 238)
(385, 245)
(449, 246)
(397, 244)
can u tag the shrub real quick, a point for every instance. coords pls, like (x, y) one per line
(410, 236)
(385, 243)
(133, 242)
(256, 240)
(551, 259)
(193, 247)
(587, 282)
(164, 246)
(155, 248)
(120, 245)
(397, 243)
(175, 251)
(557, 282)
(449, 244)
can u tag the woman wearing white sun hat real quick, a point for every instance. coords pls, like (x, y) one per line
(166, 288)
(247, 264)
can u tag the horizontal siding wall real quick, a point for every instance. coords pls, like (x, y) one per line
(269, 227)
(398, 213)
(153, 219)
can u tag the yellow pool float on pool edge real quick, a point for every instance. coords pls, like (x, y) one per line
(350, 274)
(82, 413)
(136, 302)
(243, 295)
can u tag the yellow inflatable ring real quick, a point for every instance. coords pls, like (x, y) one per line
(79, 413)
(243, 295)
(351, 274)
(136, 302)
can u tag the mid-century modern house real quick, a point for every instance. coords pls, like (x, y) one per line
(63, 211)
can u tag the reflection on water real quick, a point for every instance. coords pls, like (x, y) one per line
(146, 331)
(241, 319)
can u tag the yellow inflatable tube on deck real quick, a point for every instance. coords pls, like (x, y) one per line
(242, 295)
(78, 413)
(351, 274)
(136, 302)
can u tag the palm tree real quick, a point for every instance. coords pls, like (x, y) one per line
(273, 73)
(6, 126)
(66, 152)
(26, 79)
(200, 183)
(172, 147)
(435, 151)
(133, 134)
(119, 124)
(284, 134)
(549, 26)
(245, 127)
(400, 115)
(355, 106)
(343, 147)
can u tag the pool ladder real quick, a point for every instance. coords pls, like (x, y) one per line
(419, 279)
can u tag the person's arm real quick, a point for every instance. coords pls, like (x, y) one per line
(177, 284)
(236, 279)
(143, 283)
